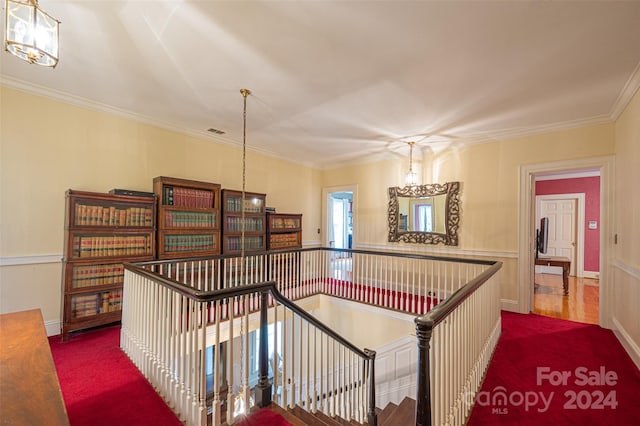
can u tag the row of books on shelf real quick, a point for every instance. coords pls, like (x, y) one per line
(250, 243)
(188, 197)
(112, 245)
(181, 243)
(285, 223)
(96, 215)
(176, 219)
(283, 240)
(252, 205)
(85, 305)
(252, 224)
(93, 275)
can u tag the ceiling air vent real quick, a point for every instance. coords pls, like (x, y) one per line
(216, 131)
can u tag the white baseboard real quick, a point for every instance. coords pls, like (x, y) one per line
(510, 305)
(53, 328)
(627, 342)
(591, 274)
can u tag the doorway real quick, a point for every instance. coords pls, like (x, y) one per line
(565, 213)
(527, 228)
(340, 219)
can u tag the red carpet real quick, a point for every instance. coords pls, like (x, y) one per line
(552, 372)
(101, 386)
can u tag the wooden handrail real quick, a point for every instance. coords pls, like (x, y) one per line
(331, 249)
(424, 330)
(226, 293)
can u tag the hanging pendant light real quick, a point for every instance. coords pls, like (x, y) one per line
(243, 400)
(30, 33)
(412, 177)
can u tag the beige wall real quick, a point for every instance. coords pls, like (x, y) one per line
(489, 176)
(626, 253)
(71, 147)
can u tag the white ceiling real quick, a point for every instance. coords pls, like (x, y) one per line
(337, 82)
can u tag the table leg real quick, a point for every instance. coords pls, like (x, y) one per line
(565, 279)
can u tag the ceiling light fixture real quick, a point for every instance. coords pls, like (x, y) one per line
(243, 400)
(412, 177)
(30, 33)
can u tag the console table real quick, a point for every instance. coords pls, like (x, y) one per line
(563, 262)
(29, 389)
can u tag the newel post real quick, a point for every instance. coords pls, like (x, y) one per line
(263, 388)
(424, 329)
(372, 417)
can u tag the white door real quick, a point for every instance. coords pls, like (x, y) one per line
(562, 214)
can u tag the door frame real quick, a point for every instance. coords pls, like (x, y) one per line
(326, 215)
(526, 228)
(580, 204)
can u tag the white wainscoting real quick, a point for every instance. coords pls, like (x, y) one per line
(396, 366)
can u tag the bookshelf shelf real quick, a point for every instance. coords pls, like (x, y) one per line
(284, 231)
(102, 232)
(188, 217)
(254, 221)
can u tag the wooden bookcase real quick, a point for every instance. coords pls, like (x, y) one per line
(284, 231)
(102, 231)
(254, 217)
(188, 217)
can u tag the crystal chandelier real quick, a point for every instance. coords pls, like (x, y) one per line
(30, 33)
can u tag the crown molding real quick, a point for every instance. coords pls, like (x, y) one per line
(631, 86)
(56, 95)
(627, 92)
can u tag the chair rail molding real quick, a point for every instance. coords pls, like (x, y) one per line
(36, 259)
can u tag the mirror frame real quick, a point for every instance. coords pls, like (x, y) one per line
(452, 213)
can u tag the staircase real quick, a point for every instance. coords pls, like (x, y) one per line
(391, 415)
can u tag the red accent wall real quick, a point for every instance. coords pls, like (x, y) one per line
(590, 186)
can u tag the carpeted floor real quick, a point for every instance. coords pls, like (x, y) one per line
(101, 386)
(547, 371)
(544, 372)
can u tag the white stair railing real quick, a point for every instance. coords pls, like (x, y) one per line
(168, 326)
(167, 332)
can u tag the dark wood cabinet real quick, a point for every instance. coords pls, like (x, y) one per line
(188, 217)
(254, 221)
(102, 231)
(284, 231)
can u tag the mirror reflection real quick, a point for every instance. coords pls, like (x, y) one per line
(422, 214)
(427, 214)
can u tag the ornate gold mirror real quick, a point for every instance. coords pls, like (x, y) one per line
(425, 214)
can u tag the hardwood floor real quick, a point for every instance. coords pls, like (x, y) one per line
(582, 303)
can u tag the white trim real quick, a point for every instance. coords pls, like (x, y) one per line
(579, 250)
(623, 99)
(627, 342)
(634, 272)
(626, 94)
(509, 305)
(438, 251)
(569, 175)
(526, 215)
(53, 328)
(591, 274)
(311, 244)
(34, 89)
(30, 260)
(377, 310)
(326, 217)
